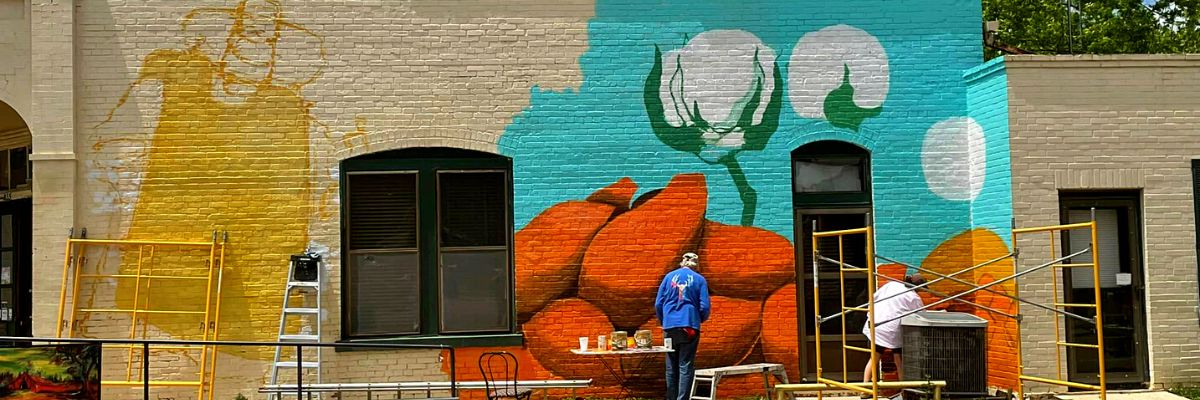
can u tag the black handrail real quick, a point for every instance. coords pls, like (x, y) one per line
(146, 343)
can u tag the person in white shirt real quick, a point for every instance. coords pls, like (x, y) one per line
(887, 336)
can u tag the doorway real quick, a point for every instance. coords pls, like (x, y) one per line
(1122, 287)
(831, 190)
(16, 216)
(15, 260)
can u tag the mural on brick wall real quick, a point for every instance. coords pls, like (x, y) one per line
(224, 107)
(734, 79)
(702, 163)
(678, 140)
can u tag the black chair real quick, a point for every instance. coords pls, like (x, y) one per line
(499, 369)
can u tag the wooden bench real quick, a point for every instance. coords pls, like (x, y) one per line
(782, 390)
(427, 387)
(713, 375)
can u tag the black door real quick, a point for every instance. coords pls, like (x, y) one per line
(16, 299)
(1122, 288)
(854, 253)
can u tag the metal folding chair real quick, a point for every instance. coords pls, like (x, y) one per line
(499, 369)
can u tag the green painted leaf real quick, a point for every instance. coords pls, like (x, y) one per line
(686, 138)
(840, 109)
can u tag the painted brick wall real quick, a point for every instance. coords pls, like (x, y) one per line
(599, 106)
(165, 159)
(1113, 122)
(987, 101)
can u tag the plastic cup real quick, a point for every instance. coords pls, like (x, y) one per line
(602, 343)
(583, 342)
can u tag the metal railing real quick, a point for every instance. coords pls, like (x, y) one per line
(146, 347)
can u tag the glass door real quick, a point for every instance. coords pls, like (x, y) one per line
(854, 253)
(15, 257)
(1122, 288)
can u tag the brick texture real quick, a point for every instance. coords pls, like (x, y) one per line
(233, 115)
(1113, 122)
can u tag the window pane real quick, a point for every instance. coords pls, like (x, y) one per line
(18, 162)
(6, 267)
(383, 211)
(473, 209)
(832, 175)
(4, 170)
(6, 304)
(6, 231)
(1108, 238)
(475, 290)
(385, 293)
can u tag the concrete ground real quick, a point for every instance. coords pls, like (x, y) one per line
(1124, 395)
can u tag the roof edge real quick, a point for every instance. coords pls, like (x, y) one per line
(1102, 60)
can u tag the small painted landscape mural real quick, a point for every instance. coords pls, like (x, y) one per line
(65, 372)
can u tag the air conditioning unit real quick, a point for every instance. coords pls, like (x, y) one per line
(948, 346)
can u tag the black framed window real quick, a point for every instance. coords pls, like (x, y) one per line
(428, 239)
(831, 173)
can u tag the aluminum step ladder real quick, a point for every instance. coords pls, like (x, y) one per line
(306, 286)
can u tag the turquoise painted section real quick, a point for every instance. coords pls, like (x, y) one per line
(568, 144)
(987, 103)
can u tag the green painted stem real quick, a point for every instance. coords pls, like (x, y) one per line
(748, 194)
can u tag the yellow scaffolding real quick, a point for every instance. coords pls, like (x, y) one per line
(141, 309)
(1059, 308)
(843, 268)
(1059, 264)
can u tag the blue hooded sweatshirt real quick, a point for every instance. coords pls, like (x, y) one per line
(682, 300)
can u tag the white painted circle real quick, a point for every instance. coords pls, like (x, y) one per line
(954, 158)
(817, 66)
(716, 73)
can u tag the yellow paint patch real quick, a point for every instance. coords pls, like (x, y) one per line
(214, 164)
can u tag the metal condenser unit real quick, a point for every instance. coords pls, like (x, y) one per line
(947, 346)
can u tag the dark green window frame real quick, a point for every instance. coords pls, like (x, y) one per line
(427, 164)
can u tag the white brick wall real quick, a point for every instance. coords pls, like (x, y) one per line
(1113, 122)
(14, 45)
(421, 73)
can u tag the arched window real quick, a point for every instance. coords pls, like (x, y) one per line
(427, 239)
(831, 173)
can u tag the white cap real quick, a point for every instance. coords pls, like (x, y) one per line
(689, 260)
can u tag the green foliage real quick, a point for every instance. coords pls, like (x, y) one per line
(1192, 393)
(1096, 26)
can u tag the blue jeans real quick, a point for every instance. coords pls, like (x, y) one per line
(680, 367)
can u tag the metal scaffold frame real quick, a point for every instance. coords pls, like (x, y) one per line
(145, 273)
(843, 268)
(1057, 307)
(1098, 320)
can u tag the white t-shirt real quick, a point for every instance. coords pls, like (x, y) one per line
(888, 335)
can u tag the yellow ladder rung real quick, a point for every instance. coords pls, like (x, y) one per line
(842, 232)
(1074, 265)
(155, 347)
(1076, 385)
(152, 383)
(855, 348)
(118, 310)
(1074, 305)
(204, 278)
(854, 309)
(1084, 345)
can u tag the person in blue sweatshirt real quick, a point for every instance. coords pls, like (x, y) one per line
(681, 306)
